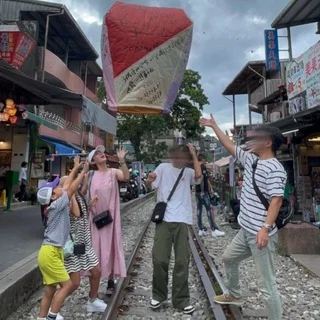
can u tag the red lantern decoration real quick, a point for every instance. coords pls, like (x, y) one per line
(13, 119)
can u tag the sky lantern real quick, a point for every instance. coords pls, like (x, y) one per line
(145, 52)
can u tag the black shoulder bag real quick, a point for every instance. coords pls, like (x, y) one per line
(286, 211)
(160, 208)
(104, 218)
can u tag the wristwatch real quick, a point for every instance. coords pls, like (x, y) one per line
(267, 226)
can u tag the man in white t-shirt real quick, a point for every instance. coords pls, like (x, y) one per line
(174, 227)
(258, 234)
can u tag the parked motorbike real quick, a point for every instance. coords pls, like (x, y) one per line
(128, 190)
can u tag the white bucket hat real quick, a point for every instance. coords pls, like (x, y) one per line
(92, 153)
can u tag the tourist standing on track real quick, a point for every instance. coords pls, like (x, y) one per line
(51, 257)
(86, 259)
(203, 199)
(102, 191)
(258, 234)
(174, 227)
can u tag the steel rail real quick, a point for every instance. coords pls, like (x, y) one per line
(216, 308)
(236, 313)
(116, 299)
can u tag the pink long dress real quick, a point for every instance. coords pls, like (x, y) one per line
(107, 242)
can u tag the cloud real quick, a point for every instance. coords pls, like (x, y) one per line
(227, 34)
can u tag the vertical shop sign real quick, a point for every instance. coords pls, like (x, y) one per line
(272, 50)
(312, 75)
(15, 46)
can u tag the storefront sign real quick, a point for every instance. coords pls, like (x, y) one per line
(296, 81)
(15, 46)
(272, 50)
(303, 84)
(312, 74)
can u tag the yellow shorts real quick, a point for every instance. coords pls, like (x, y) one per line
(51, 264)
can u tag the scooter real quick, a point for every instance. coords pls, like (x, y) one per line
(126, 192)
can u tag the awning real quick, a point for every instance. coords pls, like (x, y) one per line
(223, 162)
(272, 98)
(33, 117)
(61, 149)
(92, 113)
(48, 93)
(299, 120)
(298, 12)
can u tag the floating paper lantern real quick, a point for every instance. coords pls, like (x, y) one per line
(145, 51)
(24, 115)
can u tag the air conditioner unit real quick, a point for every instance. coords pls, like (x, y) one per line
(274, 116)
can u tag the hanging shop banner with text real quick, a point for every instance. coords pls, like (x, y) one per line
(145, 51)
(272, 50)
(312, 75)
(303, 80)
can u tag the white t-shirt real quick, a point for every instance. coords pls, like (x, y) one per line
(179, 208)
(23, 174)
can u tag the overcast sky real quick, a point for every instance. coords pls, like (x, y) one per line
(227, 34)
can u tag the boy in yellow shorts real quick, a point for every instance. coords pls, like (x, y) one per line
(50, 258)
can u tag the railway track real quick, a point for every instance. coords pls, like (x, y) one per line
(138, 272)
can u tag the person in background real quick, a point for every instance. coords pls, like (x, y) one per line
(87, 261)
(235, 203)
(203, 199)
(258, 234)
(51, 256)
(102, 191)
(23, 180)
(173, 230)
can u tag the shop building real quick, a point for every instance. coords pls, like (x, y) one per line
(54, 51)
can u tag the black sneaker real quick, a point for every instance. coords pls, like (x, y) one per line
(189, 310)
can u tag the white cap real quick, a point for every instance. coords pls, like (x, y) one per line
(92, 153)
(44, 195)
(45, 192)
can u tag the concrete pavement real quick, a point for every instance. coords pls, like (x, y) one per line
(21, 233)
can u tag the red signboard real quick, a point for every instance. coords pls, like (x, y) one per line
(15, 46)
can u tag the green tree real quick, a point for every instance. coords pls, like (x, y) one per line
(142, 130)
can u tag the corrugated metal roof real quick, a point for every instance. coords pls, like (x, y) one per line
(11, 9)
(15, 10)
(298, 12)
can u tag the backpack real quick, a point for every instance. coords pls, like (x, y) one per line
(286, 211)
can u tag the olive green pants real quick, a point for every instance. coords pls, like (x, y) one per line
(167, 234)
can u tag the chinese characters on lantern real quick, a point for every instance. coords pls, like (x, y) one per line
(272, 50)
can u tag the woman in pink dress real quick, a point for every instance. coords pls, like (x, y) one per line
(102, 190)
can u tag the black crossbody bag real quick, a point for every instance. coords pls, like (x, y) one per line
(104, 218)
(286, 211)
(160, 208)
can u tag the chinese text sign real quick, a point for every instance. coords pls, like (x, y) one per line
(272, 50)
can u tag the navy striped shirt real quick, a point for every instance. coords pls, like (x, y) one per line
(270, 177)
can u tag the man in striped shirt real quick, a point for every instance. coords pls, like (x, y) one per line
(258, 234)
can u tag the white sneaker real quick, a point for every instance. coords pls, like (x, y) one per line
(202, 233)
(217, 233)
(59, 316)
(155, 304)
(96, 306)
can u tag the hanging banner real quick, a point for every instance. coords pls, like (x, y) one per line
(296, 80)
(15, 46)
(272, 50)
(145, 51)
